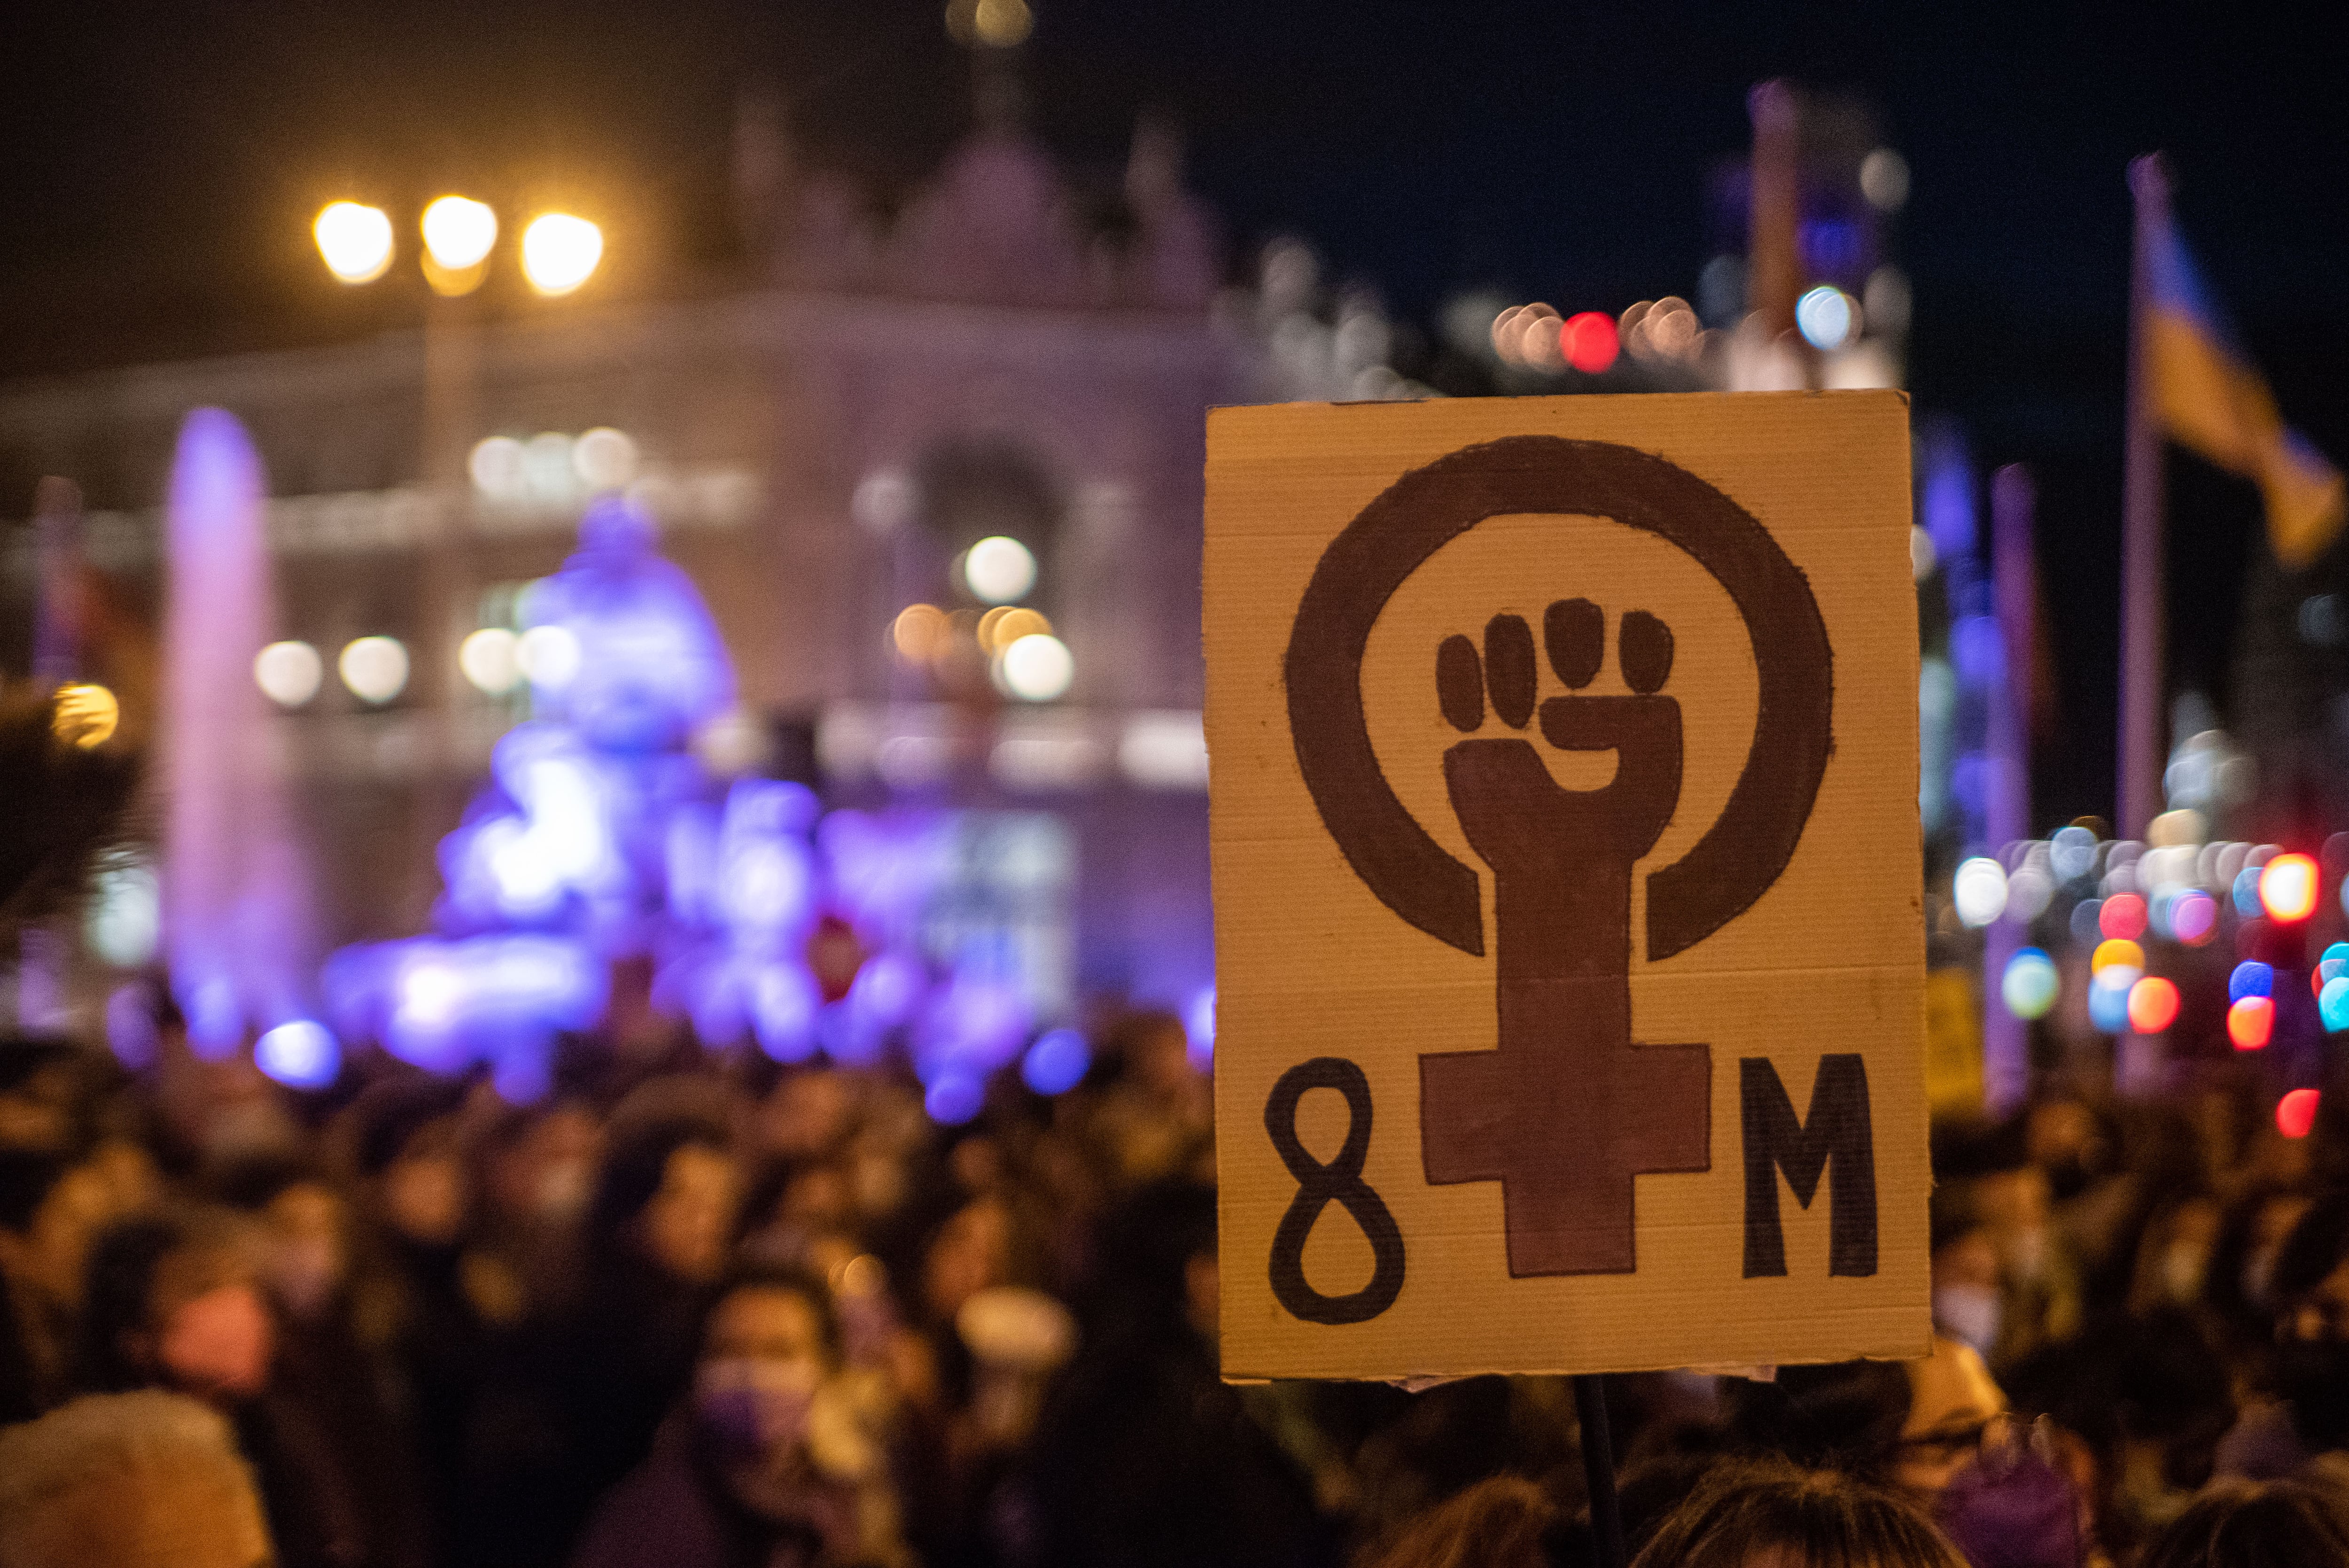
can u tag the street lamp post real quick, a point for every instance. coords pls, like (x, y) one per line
(559, 253)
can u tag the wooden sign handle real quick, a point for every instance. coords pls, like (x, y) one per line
(1598, 1470)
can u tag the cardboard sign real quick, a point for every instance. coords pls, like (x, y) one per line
(1568, 910)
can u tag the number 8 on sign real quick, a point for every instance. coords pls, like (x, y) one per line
(1319, 1186)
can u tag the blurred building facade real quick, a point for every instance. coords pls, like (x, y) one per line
(818, 446)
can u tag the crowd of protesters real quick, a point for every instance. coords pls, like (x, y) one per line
(698, 1311)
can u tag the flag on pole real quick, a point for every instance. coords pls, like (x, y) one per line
(2209, 398)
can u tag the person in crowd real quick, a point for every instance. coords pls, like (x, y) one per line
(1937, 1430)
(657, 1233)
(2275, 1524)
(173, 1303)
(765, 1466)
(1144, 1457)
(2310, 1413)
(302, 1226)
(1770, 1511)
(129, 1481)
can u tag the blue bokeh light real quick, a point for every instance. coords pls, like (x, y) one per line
(301, 1053)
(1056, 1062)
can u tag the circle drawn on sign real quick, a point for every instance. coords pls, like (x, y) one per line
(1748, 845)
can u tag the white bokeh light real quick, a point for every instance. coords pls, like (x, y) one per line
(288, 673)
(1828, 317)
(603, 459)
(355, 240)
(999, 569)
(489, 659)
(1038, 668)
(374, 668)
(1978, 889)
(549, 655)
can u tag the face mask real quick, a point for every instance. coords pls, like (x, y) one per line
(1968, 1312)
(754, 1405)
(2182, 1269)
(2011, 1510)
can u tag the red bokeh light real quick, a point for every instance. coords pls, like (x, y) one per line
(2296, 1113)
(1588, 341)
(2123, 914)
(2152, 1005)
(2249, 1022)
(2288, 887)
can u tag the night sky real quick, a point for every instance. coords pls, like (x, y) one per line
(164, 162)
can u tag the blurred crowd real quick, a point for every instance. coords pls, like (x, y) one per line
(697, 1310)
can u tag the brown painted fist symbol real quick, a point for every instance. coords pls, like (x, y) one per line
(1566, 1112)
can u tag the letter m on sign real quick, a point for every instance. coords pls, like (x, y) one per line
(1838, 1133)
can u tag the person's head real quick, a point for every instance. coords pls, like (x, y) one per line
(1502, 1522)
(1910, 1425)
(770, 1342)
(1768, 1513)
(668, 1197)
(173, 1301)
(2283, 1524)
(304, 1229)
(127, 1480)
(410, 1153)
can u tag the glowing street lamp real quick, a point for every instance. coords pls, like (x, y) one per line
(457, 235)
(354, 240)
(560, 252)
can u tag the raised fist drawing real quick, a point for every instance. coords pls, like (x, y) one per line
(1566, 1112)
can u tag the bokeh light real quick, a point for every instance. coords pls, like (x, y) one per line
(299, 1055)
(954, 1098)
(2031, 984)
(603, 459)
(560, 252)
(373, 669)
(1979, 890)
(489, 659)
(2117, 951)
(548, 656)
(1827, 316)
(2246, 891)
(2152, 1005)
(918, 632)
(354, 240)
(2296, 1113)
(2123, 914)
(1037, 668)
(458, 232)
(2071, 852)
(2288, 887)
(2251, 978)
(2193, 917)
(84, 715)
(2108, 997)
(2250, 1021)
(2332, 1004)
(288, 673)
(1056, 1062)
(999, 570)
(1588, 341)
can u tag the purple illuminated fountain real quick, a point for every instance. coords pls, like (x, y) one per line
(236, 889)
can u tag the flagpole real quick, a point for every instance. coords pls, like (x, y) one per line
(2137, 794)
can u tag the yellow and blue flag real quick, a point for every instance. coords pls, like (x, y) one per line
(2209, 398)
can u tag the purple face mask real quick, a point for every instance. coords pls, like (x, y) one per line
(2011, 1509)
(754, 1405)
